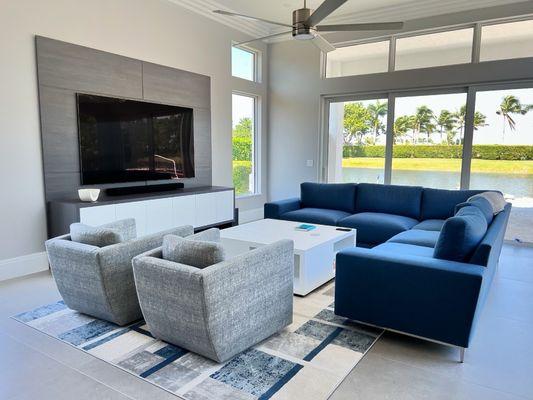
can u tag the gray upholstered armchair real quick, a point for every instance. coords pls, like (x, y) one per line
(222, 309)
(98, 281)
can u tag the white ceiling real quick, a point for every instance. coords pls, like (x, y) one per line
(351, 11)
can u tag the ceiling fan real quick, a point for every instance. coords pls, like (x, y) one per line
(305, 24)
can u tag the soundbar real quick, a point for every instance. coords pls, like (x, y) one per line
(123, 191)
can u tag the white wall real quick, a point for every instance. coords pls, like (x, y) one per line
(152, 30)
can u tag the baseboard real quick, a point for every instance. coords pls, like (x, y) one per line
(23, 265)
(250, 215)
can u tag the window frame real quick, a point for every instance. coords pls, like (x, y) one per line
(256, 134)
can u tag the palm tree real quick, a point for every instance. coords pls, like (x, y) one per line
(424, 121)
(402, 125)
(480, 120)
(511, 105)
(377, 111)
(461, 119)
(446, 122)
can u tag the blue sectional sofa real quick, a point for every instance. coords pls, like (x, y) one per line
(425, 257)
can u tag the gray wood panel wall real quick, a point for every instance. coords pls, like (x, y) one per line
(64, 69)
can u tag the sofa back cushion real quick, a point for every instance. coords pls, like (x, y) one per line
(480, 202)
(440, 203)
(196, 253)
(333, 196)
(389, 199)
(461, 234)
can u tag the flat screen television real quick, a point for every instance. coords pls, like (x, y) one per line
(129, 141)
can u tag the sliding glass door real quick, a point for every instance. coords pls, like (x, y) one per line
(356, 141)
(502, 153)
(476, 137)
(428, 136)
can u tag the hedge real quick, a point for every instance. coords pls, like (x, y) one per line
(242, 149)
(241, 176)
(483, 152)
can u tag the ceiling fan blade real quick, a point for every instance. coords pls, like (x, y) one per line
(262, 38)
(232, 14)
(322, 44)
(326, 8)
(378, 26)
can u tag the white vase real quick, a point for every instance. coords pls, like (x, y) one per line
(88, 194)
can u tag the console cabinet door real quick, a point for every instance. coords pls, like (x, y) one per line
(184, 208)
(97, 215)
(159, 215)
(137, 210)
(225, 206)
(206, 210)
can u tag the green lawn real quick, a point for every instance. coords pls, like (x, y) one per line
(443, 164)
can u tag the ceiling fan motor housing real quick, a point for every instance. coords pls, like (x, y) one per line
(299, 29)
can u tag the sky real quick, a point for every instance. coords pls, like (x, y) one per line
(242, 107)
(486, 103)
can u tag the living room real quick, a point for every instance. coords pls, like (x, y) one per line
(289, 200)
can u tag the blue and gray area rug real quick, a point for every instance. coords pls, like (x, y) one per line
(307, 360)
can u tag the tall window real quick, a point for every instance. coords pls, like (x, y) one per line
(428, 140)
(502, 154)
(243, 63)
(243, 138)
(357, 135)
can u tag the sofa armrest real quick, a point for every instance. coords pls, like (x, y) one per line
(275, 209)
(431, 298)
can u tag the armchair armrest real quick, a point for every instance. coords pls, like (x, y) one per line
(424, 296)
(276, 208)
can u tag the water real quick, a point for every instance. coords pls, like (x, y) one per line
(513, 184)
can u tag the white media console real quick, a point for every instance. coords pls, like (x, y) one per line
(153, 212)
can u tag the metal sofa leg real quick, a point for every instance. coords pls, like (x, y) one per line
(462, 352)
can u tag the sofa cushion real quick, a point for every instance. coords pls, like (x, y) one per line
(374, 228)
(417, 237)
(196, 253)
(480, 202)
(332, 196)
(430, 225)
(496, 200)
(440, 203)
(389, 199)
(315, 216)
(95, 236)
(461, 234)
(405, 249)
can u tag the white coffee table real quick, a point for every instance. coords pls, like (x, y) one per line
(314, 251)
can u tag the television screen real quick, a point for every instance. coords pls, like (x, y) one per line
(127, 141)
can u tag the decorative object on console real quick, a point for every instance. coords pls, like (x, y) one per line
(88, 194)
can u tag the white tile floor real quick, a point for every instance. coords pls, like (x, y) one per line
(499, 364)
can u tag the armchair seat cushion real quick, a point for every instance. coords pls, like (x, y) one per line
(417, 237)
(316, 216)
(430, 225)
(374, 228)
